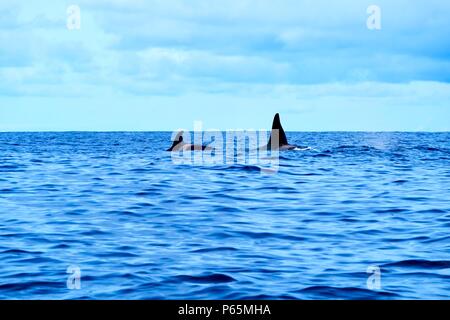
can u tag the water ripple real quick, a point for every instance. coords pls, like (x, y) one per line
(140, 227)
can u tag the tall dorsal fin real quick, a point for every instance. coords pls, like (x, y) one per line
(178, 139)
(276, 125)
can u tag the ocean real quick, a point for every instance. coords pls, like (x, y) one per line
(98, 215)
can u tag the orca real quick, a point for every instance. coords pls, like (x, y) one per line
(179, 145)
(279, 135)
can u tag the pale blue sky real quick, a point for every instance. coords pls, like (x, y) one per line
(161, 65)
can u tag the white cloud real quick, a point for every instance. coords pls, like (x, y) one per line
(171, 47)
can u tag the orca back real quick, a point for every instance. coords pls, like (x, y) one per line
(178, 139)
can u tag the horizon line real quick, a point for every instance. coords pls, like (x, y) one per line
(234, 130)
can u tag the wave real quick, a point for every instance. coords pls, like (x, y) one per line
(345, 293)
(34, 285)
(217, 249)
(210, 278)
(427, 264)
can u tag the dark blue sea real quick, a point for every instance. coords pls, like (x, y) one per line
(138, 226)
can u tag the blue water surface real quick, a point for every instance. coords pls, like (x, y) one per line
(141, 227)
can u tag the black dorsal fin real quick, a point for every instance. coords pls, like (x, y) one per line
(276, 125)
(178, 139)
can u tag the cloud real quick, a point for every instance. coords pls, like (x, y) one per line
(173, 47)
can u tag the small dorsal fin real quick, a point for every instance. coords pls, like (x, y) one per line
(276, 125)
(178, 139)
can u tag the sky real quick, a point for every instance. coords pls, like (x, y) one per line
(160, 65)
